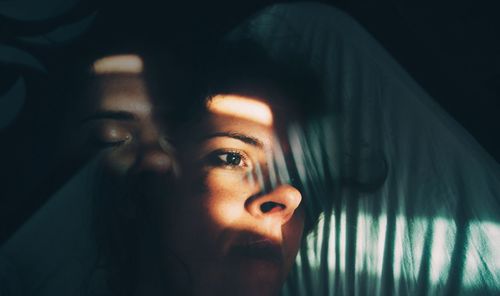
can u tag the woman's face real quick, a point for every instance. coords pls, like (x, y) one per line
(236, 223)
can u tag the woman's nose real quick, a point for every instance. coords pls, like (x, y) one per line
(280, 203)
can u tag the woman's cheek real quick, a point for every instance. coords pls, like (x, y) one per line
(224, 198)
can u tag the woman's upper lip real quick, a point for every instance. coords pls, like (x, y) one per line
(256, 246)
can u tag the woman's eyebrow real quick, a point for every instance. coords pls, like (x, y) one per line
(108, 114)
(238, 136)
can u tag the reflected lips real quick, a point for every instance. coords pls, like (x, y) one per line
(258, 248)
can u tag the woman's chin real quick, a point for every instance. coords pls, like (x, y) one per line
(245, 277)
(251, 285)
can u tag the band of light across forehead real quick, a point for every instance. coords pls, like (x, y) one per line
(242, 107)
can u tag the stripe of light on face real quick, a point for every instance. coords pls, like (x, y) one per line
(242, 107)
(294, 137)
(260, 177)
(270, 161)
(280, 162)
(118, 64)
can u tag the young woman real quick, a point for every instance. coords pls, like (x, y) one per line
(237, 220)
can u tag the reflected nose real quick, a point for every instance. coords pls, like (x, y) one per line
(155, 160)
(280, 203)
(156, 157)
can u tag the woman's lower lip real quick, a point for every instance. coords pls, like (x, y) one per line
(258, 250)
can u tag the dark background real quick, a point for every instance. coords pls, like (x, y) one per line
(451, 48)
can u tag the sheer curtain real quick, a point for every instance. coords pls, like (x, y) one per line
(432, 224)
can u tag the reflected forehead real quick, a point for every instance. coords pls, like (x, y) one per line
(122, 92)
(119, 84)
(126, 63)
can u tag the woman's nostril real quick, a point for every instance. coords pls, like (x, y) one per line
(270, 206)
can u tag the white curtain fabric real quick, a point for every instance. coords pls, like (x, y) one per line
(433, 226)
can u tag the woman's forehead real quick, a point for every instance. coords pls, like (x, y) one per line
(242, 107)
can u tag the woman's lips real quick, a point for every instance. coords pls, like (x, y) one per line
(256, 247)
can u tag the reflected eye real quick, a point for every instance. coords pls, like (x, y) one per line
(110, 135)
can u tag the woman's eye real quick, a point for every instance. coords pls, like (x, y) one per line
(229, 159)
(232, 159)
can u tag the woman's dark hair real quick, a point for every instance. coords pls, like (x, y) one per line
(245, 68)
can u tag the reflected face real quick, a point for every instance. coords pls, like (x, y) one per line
(119, 117)
(237, 223)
